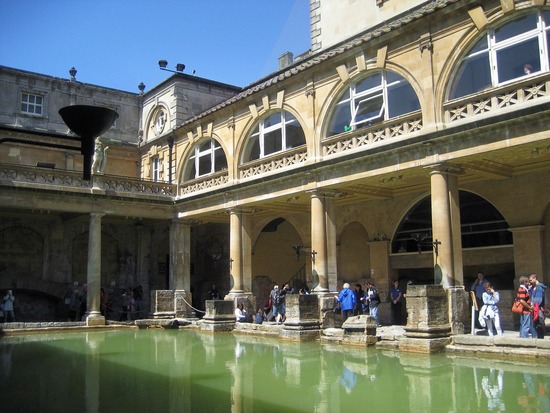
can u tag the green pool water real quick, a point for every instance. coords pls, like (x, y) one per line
(187, 371)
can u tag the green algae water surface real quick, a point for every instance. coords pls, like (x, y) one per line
(187, 371)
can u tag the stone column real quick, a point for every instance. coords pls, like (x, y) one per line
(446, 225)
(180, 267)
(332, 253)
(236, 251)
(93, 313)
(319, 242)
(528, 251)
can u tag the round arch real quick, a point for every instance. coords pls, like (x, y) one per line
(482, 225)
(217, 160)
(369, 97)
(468, 42)
(285, 132)
(156, 121)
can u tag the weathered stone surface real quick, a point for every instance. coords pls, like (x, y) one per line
(422, 345)
(219, 316)
(302, 322)
(152, 323)
(459, 310)
(428, 315)
(162, 304)
(360, 329)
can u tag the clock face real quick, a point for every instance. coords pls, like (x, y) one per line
(159, 122)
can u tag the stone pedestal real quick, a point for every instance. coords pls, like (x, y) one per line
(302, 318)
(95, 320)
(360, 330)
(171, 304)
(220, 316)
(182, 305)
(459, 310)
(162, 304)
(428, 329)
(326, 315)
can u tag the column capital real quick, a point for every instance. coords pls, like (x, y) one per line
(445, 168)
(241, 210)
(325, 193)
(184, 221)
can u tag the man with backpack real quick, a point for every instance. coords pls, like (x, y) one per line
(275, 298)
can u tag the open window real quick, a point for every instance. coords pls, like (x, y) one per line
(376, 98)
(515, 50)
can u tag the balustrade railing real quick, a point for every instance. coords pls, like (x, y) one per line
(42, 177)
(207, 182)
(497, 99)
(380, 133)
(273, 163)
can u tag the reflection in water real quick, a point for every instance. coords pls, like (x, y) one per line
(169, 371)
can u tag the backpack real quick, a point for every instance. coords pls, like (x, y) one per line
(278, 299)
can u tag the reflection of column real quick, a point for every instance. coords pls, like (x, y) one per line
(319, 241)
(92, 376)
(93, 314)
(236, 250)
(446, 225)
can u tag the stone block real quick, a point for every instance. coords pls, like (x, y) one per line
(428, 314)
(423, 345)
(360, 329)
(219, 316)
(302, 318)
(162, 304)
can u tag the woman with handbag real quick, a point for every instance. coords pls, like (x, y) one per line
(526, 317)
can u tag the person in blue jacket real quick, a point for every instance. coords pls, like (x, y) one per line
(348, 301)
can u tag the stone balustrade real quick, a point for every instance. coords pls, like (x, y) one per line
(45, 178)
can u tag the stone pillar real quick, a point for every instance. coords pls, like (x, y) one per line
(180, 267)
(446, 225)
(302, 317)
(236, 251)
(178, 246)
(332, 253)
(93, 313)
(319, 242)
(428, 329)
(219, 316)
(528, 251)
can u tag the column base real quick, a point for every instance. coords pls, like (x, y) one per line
(95, 319)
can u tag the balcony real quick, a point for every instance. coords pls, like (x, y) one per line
(374, 135)
(69, 181)
(495, 100)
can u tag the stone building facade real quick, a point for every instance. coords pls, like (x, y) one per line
(415, 148)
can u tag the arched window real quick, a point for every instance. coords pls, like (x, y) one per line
(481, 224)
(276, 133)
(517, 49)
(376, 98)
(207, 158)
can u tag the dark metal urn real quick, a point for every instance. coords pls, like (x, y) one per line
(88, 122)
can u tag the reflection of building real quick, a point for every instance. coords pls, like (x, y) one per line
(420, 125)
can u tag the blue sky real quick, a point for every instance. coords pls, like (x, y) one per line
(118, 43)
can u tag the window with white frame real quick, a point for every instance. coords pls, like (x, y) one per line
(373, 99)
(276, 133)
(32, 104)
(207, 158)
(515, 50)
(155, 169)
